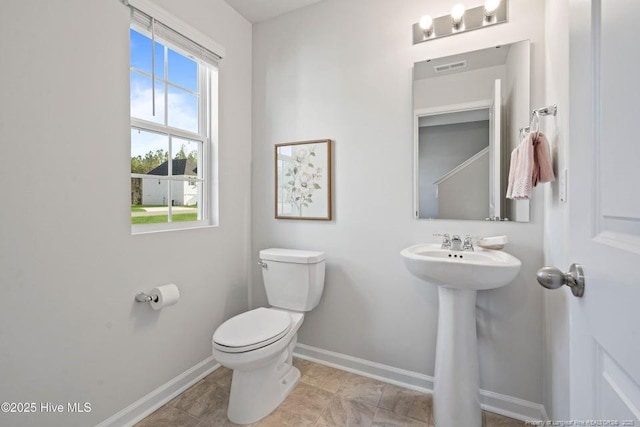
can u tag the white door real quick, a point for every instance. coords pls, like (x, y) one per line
(495, 151)
(604, 209)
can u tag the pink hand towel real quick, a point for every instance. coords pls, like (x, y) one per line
(542, 167)
(512, 174)
(521, 173)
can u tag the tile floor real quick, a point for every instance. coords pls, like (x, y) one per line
(324, 397)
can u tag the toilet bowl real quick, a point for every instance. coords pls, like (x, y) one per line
(258, 344)
(263, 373)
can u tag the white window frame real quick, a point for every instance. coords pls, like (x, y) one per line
(207, 135)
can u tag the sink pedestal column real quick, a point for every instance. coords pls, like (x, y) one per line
(456, 395)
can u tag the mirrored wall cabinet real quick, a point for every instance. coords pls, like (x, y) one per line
(467, 110)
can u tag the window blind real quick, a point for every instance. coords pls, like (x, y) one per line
(177, 40)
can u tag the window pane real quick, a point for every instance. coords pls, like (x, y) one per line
(183, 71)
(186, 159)
(156, 209)
(141, 100)
(187, 199)
(185, 196)
(149, 152)
(183, 110)
(141, 53)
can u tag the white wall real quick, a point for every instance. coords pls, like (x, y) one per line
(441, 149)
(343, 70)
(69, 327)
(515, 97)
(458, 88)
(472, 177)
(556, 303)
(154, 192)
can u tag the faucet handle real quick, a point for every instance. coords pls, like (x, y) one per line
(446, 240)
(468, 242)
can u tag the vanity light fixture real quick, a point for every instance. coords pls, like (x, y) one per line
(460, 20)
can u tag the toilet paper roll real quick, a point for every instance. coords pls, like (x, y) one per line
(166, 295)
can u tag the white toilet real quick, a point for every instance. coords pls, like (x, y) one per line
(258, 345)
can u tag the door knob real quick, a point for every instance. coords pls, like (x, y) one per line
(552, 278)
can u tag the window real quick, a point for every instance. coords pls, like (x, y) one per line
(173, 100)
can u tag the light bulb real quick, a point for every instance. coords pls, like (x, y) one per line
(490, 7)
(457, 12)
(426, 23)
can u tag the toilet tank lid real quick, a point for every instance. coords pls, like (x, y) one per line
(292, 255)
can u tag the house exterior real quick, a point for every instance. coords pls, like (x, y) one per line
(184, 189)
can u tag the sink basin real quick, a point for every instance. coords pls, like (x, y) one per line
(459, 276)
(478, 270)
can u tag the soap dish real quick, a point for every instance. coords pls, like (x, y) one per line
(495, 242)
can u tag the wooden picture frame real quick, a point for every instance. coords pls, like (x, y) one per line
(303, 180)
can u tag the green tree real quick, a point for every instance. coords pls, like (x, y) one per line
(148, 162)
(182, 154)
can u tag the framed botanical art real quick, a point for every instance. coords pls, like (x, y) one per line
(303, 180)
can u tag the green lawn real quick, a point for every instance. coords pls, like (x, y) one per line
(153, 219)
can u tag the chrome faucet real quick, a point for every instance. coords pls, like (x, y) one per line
(456, 243)
(446, 240)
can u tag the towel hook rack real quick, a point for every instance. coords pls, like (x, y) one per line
(550, 110)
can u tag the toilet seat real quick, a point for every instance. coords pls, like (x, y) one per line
(252, 330)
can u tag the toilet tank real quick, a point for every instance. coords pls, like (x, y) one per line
(293, 279)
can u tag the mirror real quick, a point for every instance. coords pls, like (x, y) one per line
(468, 110)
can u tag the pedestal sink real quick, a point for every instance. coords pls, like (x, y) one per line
(459, 275)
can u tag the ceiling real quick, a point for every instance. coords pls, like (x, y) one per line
(261, 10)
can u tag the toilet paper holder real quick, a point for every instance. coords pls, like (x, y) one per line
(160, 296)
(142, 297)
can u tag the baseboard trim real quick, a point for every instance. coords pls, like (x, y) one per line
(389, 374)
(512, 407)
(144, 406)
(493, 402)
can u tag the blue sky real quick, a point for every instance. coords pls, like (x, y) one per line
(182, 70)
(182, 105)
